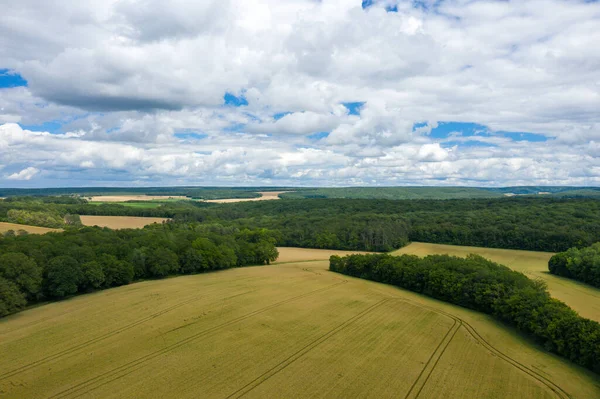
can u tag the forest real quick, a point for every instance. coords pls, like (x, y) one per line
(36, 268)
(529, 223)
(479, 284)
(582, 264)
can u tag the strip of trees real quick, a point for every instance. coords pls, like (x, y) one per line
(579, 264)
(541, 224)
(55, 265)
(480, 284)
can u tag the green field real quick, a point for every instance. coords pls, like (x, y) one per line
(292, 329)
(583, 298)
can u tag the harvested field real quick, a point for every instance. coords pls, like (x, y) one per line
(4, 227)
(124, 198)
(289, 254)
(584, 298)
(265, 196)
(286, 330)
(120, 222)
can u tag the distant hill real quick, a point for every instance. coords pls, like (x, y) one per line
(392, 193)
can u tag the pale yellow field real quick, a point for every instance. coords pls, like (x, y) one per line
(285, 330)
(290, 254)
(124, 198)
(4, 227)
(265, 196)
(583, 298)
(119, 222)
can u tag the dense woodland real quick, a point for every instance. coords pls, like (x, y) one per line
(539, 223)
(480, 284)
(579, 264)
(51, 266)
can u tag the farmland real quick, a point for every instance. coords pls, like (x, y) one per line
(120, 222)
(290, 329)
(4, 227)
(264, 196)
(581, 297)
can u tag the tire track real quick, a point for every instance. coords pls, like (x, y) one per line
(435, 358)
(107, 377)
(105, 294)
(301, 352)
(83, 345)
(557, 390)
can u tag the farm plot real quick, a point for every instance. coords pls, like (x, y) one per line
(581, 297)
(120, 222)
(290, 254)
(4, 227)
(264, 196)
(286, 330)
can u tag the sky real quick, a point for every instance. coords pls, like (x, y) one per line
(299, 93)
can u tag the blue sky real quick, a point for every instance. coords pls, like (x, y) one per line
(9, 78)
(298, 92)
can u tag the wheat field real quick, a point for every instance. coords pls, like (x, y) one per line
(291, 329)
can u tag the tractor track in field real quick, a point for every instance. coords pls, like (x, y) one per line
(303, 351)
(83, 345)
(435, 357)
(43, 319)
(557, 390)
(119, 372)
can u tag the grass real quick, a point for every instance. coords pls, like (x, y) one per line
(287, 330)
(119, 222)
(581, 297)
(4, 227)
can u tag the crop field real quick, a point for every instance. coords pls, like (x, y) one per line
(264, 196)
(291, 329)
(583, 298)
(120, 222)
(4, 227)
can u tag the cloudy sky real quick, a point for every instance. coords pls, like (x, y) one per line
(299, 92)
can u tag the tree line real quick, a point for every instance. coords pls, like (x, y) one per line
(540, 224)
(479, 284)
(35, 268)
(579, 264)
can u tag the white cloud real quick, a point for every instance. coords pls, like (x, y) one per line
(25, 174)
(124, 77)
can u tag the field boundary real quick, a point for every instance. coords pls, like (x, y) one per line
(116, 373)
(303, 351)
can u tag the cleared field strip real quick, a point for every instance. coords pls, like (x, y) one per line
(290, 254)
(4, 227)
(120, 222)
(286, 330)
(264, 196)
(581, 297)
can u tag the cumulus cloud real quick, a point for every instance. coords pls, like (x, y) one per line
(25, 174)
(123, 79)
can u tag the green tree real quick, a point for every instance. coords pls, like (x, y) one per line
(11, 299)
(63, 276)
(162, 262)
(93, 275)
(23, 271)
